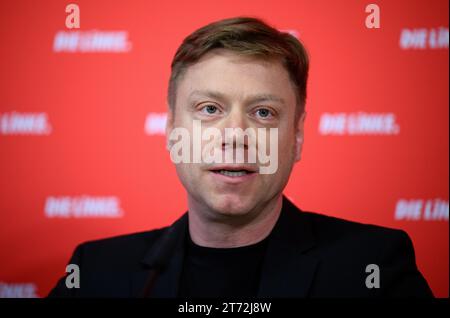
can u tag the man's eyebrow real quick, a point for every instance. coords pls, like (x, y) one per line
(256, 98)
(207, 93)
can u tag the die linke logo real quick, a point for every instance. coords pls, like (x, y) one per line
(16, 123)
(91, 41)
(83, 207)
(422, 39)
(18, 290)
(358, 124)
(420, 209)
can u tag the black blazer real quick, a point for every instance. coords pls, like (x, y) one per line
(308, 255)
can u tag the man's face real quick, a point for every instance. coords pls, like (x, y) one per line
(220, 91)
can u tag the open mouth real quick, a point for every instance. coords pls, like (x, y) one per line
(233, 173)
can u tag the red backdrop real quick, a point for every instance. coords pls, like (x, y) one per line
(82, 150)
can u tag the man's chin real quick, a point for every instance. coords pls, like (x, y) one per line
(231, 204)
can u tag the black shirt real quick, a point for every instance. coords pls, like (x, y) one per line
(222, 272)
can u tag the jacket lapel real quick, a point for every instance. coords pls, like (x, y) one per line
(287, 271)
(165, 259)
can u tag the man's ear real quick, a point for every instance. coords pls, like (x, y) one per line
(169, 127)
(299, 135)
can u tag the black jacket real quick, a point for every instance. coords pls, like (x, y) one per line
(309, 255)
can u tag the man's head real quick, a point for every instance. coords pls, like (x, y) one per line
(244, 36)
(239, 73)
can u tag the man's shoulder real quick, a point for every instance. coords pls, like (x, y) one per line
(340, 234)
(140, 238)
(345, 249)
(118, 252)
(327, 225)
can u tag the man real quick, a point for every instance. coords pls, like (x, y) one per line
(241, 236)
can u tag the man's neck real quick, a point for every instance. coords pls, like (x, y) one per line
(232, 231)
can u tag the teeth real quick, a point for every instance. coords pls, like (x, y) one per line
(233, 173)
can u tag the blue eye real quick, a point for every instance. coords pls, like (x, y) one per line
(263, 112)
(210, 109)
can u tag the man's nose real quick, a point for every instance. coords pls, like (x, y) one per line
(235, 123)
(236, 118)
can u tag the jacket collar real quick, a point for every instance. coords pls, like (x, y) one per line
(286, 271)
(165, 259)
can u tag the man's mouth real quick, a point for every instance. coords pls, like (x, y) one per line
(234, 171)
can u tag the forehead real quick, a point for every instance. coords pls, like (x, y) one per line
(236, 76)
